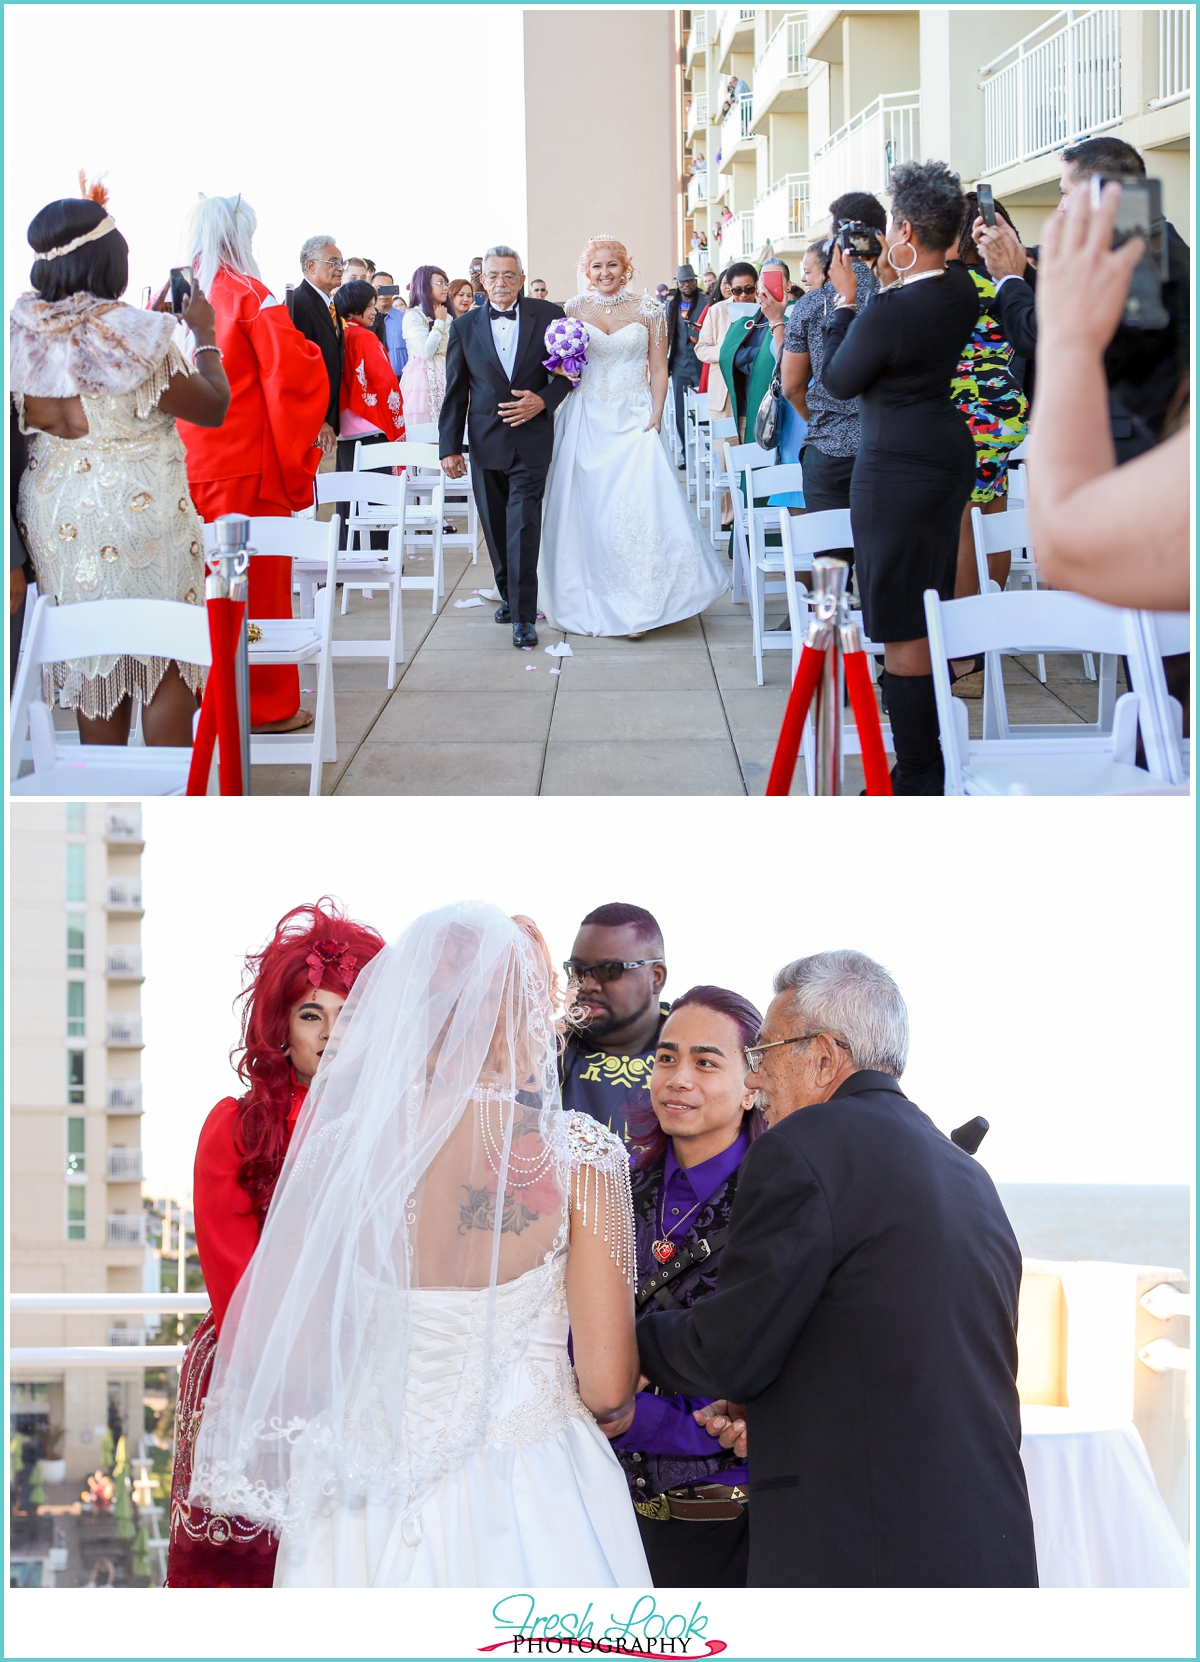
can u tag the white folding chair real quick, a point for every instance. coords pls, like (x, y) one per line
(312, 546)
(742, 463)
(1166, 634)
(95, 629)
(424, 506)
(695, 416)
(423, 432)
(802, 537)
(377, 501)
(1068, 763)
(1009, 531)
(716, 484)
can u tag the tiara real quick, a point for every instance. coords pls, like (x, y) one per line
(604, 238)
(106, 225)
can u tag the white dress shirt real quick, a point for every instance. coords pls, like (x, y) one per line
(504, 335)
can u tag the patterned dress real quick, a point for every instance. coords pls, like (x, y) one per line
(988, 394)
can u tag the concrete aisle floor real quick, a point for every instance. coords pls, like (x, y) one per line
(675, 714)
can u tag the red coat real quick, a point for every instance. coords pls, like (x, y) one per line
(369, 385)
(279, 396)
(226, 1228)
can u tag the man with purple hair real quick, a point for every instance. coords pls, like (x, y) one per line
(615, 974)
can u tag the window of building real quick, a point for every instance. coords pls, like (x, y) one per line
(75, 1077)
(76, 1211)
(28, 1409)
(75, 945)
(76, 819)
(76, 1131)
(75, 1018)
(76, 871)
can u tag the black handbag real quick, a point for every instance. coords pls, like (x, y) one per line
(767, 421)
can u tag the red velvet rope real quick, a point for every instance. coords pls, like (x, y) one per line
(218, 712)
(812, 661)
(866, 716)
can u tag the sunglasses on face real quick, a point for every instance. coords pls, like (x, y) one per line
(612, 970)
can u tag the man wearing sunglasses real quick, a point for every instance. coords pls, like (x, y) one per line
(865, 1314)
(615, 974)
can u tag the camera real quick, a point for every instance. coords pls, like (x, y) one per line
(855, 238)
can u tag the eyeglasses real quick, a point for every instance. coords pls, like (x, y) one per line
(754, 1053)
(334, 265)
(745, 293)
(612, 970)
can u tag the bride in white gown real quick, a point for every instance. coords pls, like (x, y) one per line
(622, 551)
(392, 1393)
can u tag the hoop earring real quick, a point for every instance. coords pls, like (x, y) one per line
(902, 271)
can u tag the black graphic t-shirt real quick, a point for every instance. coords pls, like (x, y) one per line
(604, 1086)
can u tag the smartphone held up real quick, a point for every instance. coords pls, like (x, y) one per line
(1139, 214)
(182, 282)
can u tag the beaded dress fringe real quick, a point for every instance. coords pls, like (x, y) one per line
(96, 697)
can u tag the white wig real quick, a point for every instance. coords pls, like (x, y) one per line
(220, 231)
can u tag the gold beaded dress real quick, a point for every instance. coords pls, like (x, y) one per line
(107, 516)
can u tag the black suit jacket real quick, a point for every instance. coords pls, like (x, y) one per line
(310, 314)
(866, 1314)
(476, 384)
(1143, 367)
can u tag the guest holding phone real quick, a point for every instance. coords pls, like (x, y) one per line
(389, 320)
(915, 467)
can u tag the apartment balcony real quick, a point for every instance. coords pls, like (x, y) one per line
(126, 1229)
(861, 155)
(128, 1335)
(123, 963)
(124, 1096)
(124, 897)
(697, 41)
(1174, 56)
(123, 829)
(124, 1165)
(697, 192)
(780, 71)
(1052, 89)
(697, 119)
(737, 131)
(781, 213)
(737, 33)
(124, 1032)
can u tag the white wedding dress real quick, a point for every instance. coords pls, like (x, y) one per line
(543, 1504)
(622, 550)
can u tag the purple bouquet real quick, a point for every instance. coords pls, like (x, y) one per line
(567, 343)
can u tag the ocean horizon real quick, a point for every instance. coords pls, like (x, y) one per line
(1121, 1223)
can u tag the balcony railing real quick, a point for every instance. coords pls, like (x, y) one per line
(782, 211)
(737, 31)
(782, 56)
(123, 827)
(133, 1351)
(747, 244)
(699, 30)
(124, 897)
(124, 1165)
(125, 1336)
(124, 1096)
(1174, 56)
(1050, 90)
(697, 195)
(738, 125)
(123, 963)
(126, 1229)
(124, 1033)
(699, 116)
(861, 155)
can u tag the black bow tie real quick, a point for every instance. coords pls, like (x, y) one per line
(511, 316)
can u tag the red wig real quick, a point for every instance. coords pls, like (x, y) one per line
(313, 946)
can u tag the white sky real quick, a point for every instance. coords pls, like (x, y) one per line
(1046, 956)
(379, 124)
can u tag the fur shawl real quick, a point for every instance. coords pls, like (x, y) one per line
(83, 346)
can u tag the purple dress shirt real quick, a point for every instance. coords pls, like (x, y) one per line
(664, 1425)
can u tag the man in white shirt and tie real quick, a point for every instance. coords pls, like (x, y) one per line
(500, 393)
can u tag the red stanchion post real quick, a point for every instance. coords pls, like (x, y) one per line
(812, 663)
(866, 713)
(819, 674)
(225, 711)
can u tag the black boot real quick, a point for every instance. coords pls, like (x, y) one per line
(912, 710)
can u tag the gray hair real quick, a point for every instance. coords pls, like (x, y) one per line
(310, 249)
(503, 252)
(849, 994)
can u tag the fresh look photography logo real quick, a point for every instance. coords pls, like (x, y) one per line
(645, 1631)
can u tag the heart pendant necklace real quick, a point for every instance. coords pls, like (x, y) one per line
(664, 1248)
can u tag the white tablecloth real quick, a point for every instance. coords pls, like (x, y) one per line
(1098, 1518)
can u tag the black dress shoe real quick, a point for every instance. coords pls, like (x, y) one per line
(524, 634)
(503, 615)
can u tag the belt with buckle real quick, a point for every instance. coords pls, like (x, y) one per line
(697, 1503)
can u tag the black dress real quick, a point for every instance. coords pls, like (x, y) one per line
(916, 460)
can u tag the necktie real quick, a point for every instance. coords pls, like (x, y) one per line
(511, 316)
(333, 314)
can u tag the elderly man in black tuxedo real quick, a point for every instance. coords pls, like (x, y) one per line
(499, 390)
(314, 315)
(865, 1315)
